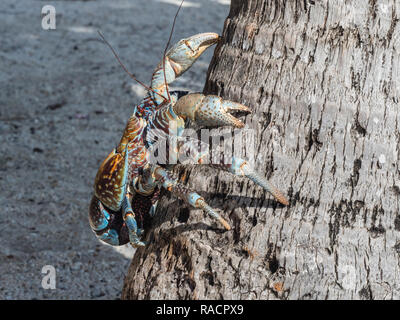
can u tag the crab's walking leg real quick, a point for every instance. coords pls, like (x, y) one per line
(178, 59)
(131, 224)
(163, 178)
(241, 167)
(237, 166)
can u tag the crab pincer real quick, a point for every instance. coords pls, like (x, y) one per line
(210, 110)
(177, 60)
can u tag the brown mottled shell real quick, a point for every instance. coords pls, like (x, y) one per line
(132, 133)
(110, 181)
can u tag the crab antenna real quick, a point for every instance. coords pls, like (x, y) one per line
(166, 48)
(125, 69)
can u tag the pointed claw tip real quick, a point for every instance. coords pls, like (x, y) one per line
(204, 40)
(282, 199)
(225, 224)
(246, 109)
(235, 107)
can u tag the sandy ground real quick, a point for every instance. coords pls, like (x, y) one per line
(64, 102)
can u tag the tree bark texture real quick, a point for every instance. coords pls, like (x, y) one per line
(322, 79)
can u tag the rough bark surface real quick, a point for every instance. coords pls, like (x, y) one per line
(322, 80)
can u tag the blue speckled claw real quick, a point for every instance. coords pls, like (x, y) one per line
(210, 111)
(185, 52)
(178, 59)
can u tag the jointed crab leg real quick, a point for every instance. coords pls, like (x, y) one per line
(163, 178)
(178, 59)
(241, 167)
(130, 221)
(237, 167)
(189, 196)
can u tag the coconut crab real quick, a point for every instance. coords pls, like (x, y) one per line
(128, 170)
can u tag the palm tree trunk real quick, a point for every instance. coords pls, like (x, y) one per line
(321, 79)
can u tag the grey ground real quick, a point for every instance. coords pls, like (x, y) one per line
(64, 102)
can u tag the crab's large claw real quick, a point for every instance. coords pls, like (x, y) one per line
(184, 53)
(178, 59)
(111, 180)
(211, 111)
